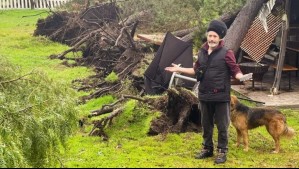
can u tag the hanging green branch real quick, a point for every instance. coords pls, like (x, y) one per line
(19, 78)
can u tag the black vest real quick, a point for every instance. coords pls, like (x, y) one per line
(215, 85)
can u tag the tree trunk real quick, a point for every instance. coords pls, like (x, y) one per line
(241, 24)
(181, 33)
(135, 17)
(187, 35)
(228, 18)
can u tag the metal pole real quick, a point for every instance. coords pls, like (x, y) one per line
(185, 78)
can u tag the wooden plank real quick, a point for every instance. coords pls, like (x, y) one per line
(286, 68)
(293, 49)
(55, 3)
(30, 5)
(20, 4)
(27, 2)
(152, 38)
(4, 4)
(15, 3)
(37, 6)
(46, 3)
(42, 4)
(52, 4)
(1, 5)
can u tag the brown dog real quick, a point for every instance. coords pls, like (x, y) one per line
(245, 118)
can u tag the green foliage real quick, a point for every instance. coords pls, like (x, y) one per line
(95, 104)
(111, 78)
(36, 116)
(178, 150)
(27, 52)
(171, 15)
(168, 15)
(210, 10)
(133, 123)
(37, 113)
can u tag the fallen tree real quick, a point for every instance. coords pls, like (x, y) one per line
(179, 113)
(107, 45)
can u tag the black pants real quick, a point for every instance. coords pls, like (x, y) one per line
(215, 113)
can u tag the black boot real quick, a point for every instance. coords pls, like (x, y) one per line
(221, 158)
(205, 153)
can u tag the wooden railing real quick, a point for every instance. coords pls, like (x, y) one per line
(27, 4)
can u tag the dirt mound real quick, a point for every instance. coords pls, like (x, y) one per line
(63, 27)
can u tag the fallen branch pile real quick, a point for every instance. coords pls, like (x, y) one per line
(107, 45)
(179, 110)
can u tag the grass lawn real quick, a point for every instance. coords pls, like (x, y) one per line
(129, 146)
(31, 53)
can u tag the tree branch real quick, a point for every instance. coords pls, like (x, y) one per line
(19, 78)
(61, 56)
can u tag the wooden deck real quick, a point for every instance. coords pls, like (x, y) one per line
(261, 92)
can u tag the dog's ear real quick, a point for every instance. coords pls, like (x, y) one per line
(233, 100)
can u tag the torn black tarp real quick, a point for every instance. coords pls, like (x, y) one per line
(172, 50)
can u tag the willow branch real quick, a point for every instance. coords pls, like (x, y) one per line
(19, 78)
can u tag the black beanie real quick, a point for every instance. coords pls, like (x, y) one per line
(219, 27)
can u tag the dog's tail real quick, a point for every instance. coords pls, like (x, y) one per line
(289, 132)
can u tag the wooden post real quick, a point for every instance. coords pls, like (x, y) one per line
(285, 27)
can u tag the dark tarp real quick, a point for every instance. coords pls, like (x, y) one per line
(172, 50)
